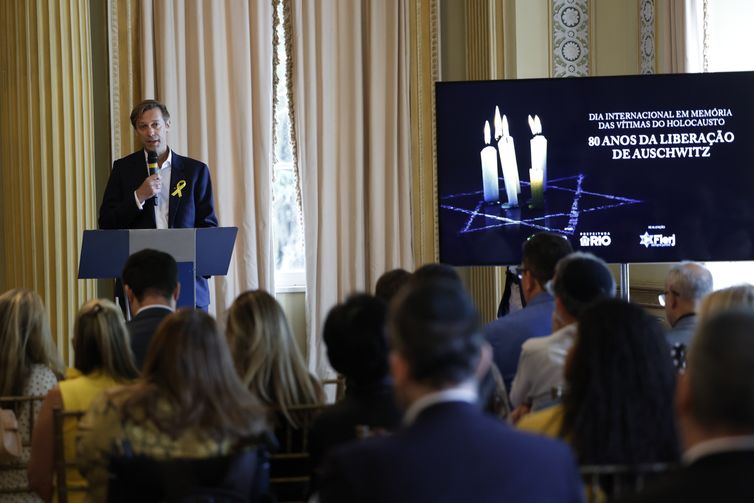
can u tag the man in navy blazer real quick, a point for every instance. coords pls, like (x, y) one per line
(179, 195)
(448, 450)
(506, 335)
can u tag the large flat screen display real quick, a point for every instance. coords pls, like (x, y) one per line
(634, 169)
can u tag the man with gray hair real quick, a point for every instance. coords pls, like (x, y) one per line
(580, 279)
(715, 412)
(685, 285)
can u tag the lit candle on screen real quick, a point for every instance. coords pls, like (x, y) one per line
(507, 152)
(536, 179)
(489, 168)
(538, 146)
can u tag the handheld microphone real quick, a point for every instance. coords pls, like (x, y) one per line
(152, 169)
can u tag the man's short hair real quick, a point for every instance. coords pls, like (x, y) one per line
(541, 252)
(146, 105)
(435, 271)
(390, 283)
(354, 333)
(721, 372)
(690, 280)
(435, 327)
(581, 279)
(151, 271)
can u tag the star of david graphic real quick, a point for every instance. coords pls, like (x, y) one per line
(567, 198)
(646, 240)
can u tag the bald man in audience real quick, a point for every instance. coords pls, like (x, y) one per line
(715, 412)
(685, 286)
(448, 450)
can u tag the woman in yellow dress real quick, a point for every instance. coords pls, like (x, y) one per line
(103, 359)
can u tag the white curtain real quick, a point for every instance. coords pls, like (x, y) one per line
(683, 36)
(211, 64)
(351, 101)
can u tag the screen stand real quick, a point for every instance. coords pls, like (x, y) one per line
(624, 287)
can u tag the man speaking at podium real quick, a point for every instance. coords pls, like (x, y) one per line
(155, 188)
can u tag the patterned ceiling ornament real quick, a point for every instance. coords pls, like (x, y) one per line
(570, 38)
(647, 36)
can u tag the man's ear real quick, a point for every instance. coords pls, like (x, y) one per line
(177, 291)
(130, 297)
(399, 368)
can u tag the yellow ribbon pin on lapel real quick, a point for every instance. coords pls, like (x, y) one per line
(178, 188)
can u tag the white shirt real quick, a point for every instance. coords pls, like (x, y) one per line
(163, 198)
(466, 392)
(540, 367)
(716, 445)
(155, 306)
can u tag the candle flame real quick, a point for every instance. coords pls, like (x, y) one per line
(535, 125)
(505, 126)
(498, 123)
(486, 132)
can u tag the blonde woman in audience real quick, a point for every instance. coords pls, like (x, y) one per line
(102, 355)
(267, 358)
(29, 366)
(734, 297)
(189, 403)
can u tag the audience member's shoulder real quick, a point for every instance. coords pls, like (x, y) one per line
(536, 344)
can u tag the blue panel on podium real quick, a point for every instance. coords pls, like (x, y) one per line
(103, 254)
(214, 248)
(187, 295)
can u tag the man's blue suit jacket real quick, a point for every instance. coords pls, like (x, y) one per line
(452, 452)
(193, 208)
(506, 335)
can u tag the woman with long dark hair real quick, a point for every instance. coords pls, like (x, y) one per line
(618, 406)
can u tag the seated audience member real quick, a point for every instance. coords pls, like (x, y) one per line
(506, 335)
(448, 449)
(267, 358)
(103, 357)
(715, 413)
(390, 283)
(580, 279)
(29, 366)
(734, 297)
(354, 333)
(189, 403)
(685, 286)
(435, 271)
(618, 404)
(150, 280)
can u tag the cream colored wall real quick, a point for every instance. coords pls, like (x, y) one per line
(614, 47)
(532, 39)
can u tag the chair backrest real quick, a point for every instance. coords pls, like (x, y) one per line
(290, 466)
(64, 467)
(612, 481)
(239, 477)
(340, 387)
(25, 408)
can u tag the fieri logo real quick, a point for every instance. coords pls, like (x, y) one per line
(589, 239)
(648, 240)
